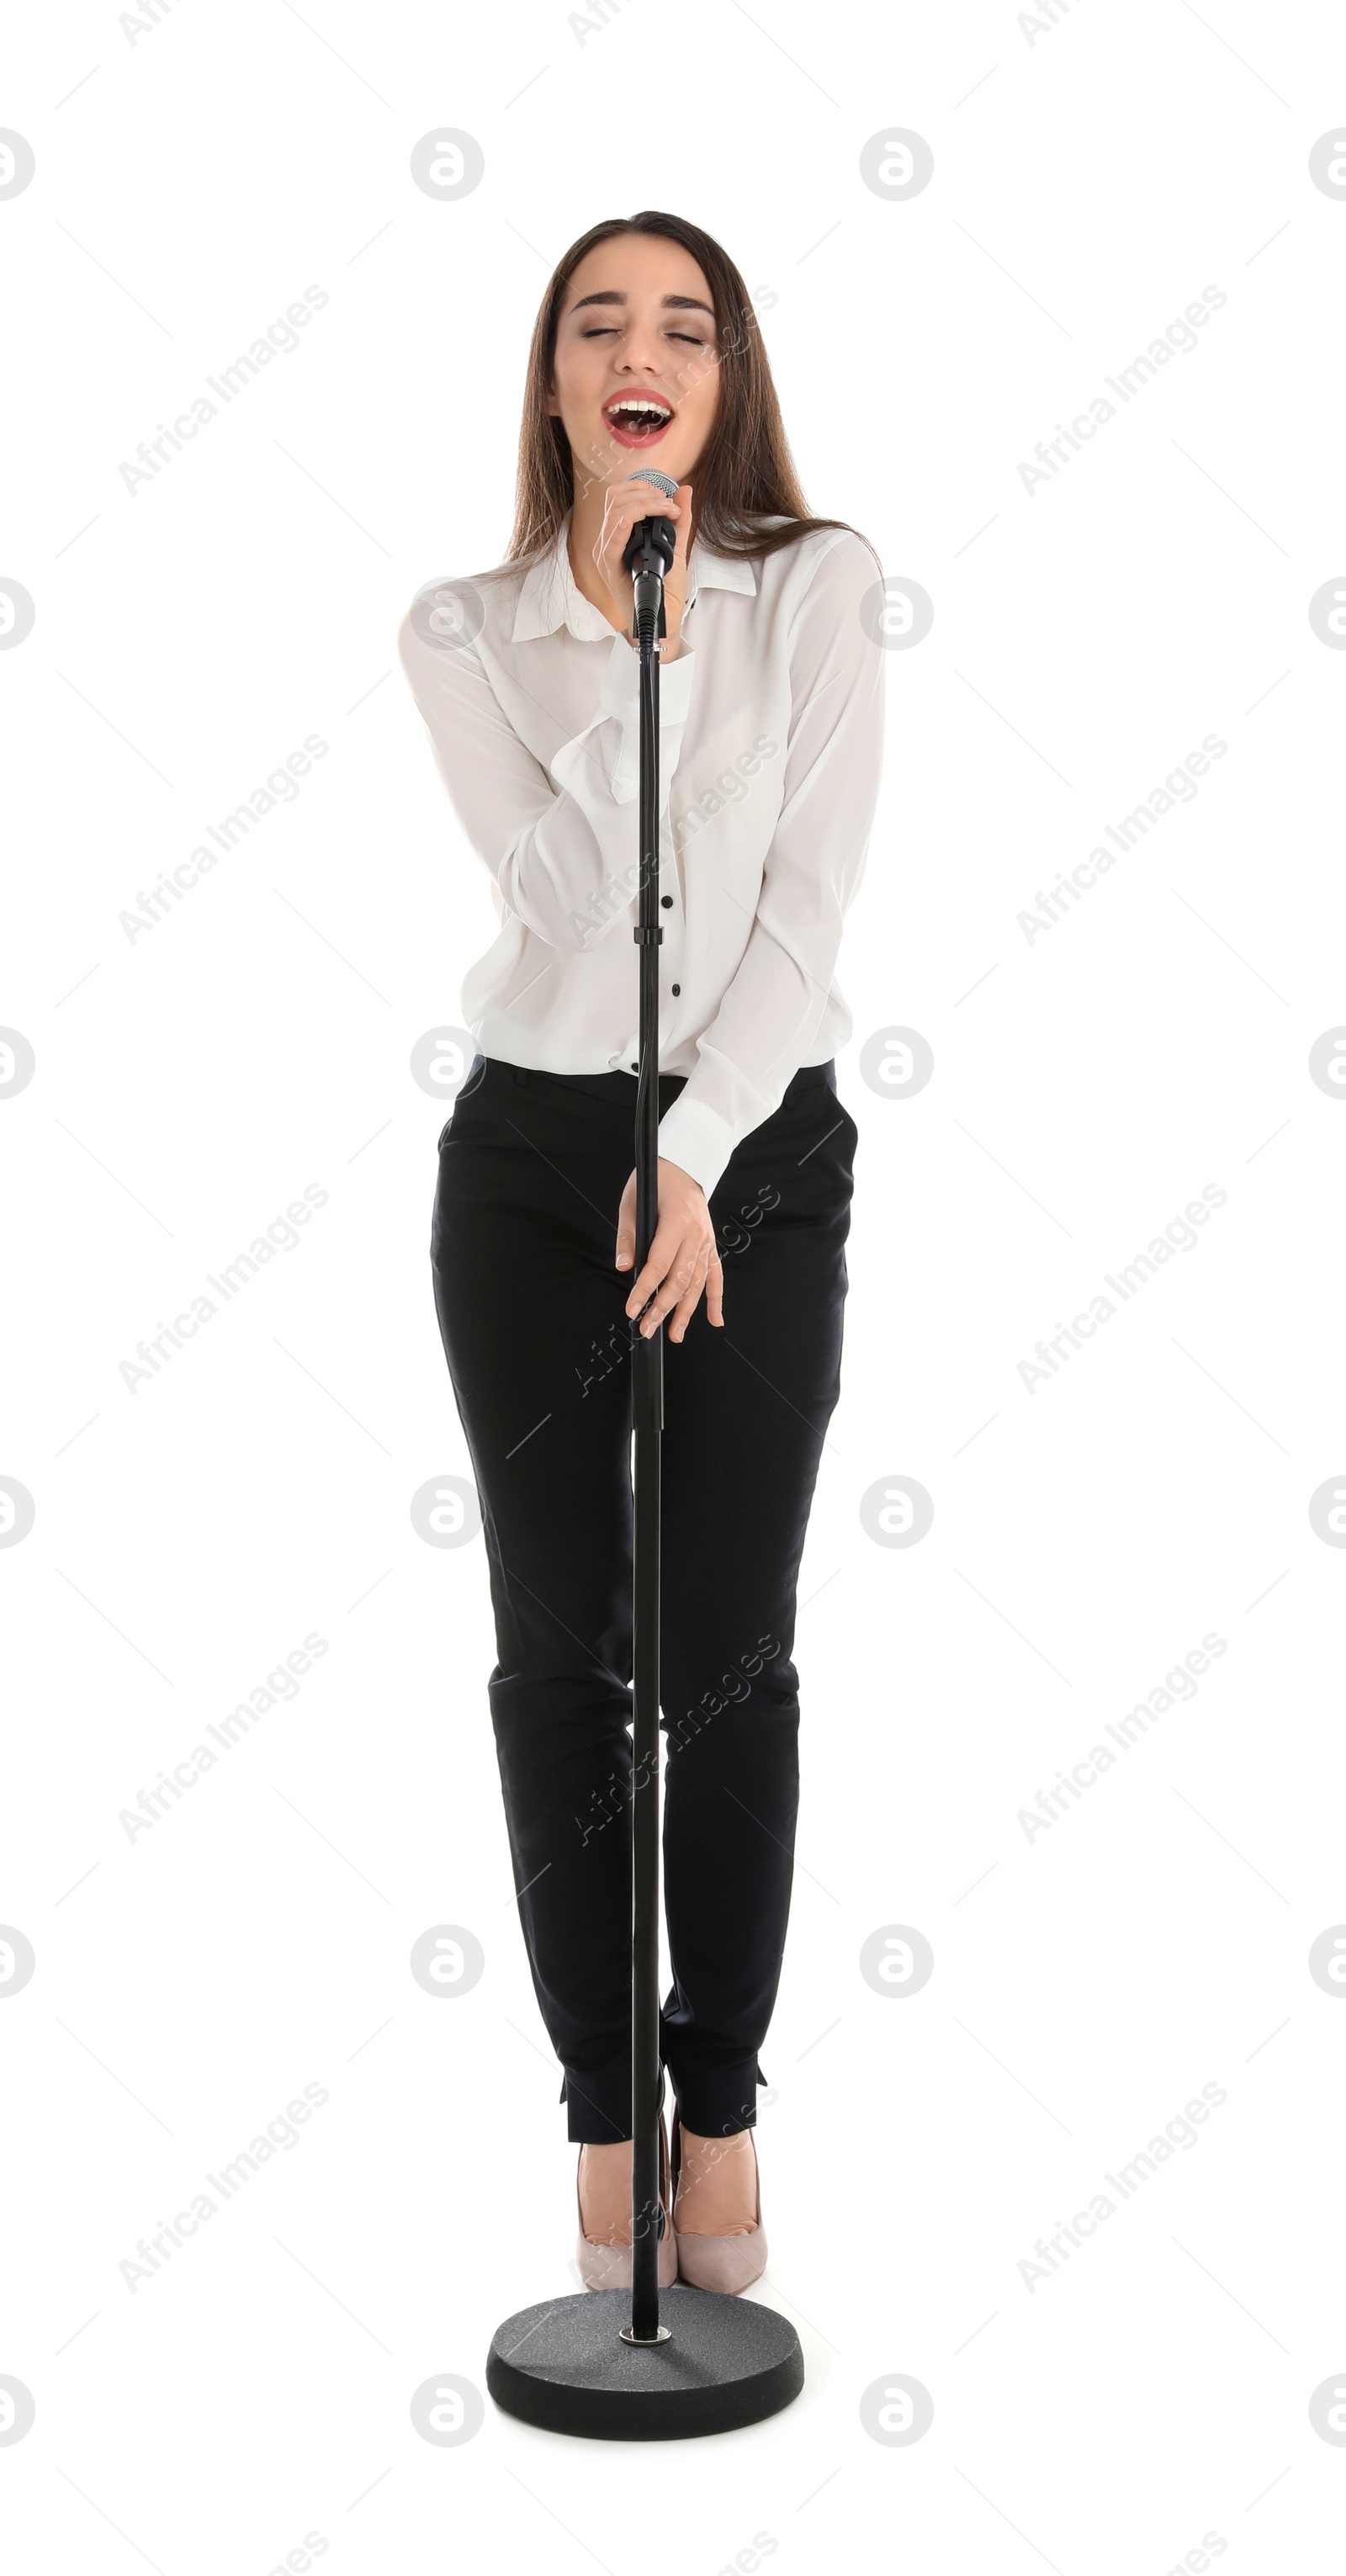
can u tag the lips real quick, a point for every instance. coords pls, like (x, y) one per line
(638, 419)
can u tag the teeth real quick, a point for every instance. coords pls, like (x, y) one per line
(632, 405)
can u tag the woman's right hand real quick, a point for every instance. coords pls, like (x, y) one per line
(623, 505)
(683, 1257)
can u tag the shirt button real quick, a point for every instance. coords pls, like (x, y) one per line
(666, 900)
(635, 1068)
(677, 988)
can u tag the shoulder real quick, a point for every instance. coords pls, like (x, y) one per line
(831, 568)
(837, 559)
(452, 612)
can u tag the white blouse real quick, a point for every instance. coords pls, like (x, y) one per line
(770, 747)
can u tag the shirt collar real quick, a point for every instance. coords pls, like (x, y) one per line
(550, 597)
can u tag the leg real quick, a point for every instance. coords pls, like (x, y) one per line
(531, 1313)
(746, 1409)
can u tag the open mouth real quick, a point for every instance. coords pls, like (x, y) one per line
(637, 420)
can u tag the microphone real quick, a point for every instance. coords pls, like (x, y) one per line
(650, 546)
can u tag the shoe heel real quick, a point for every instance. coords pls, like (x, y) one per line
(608, 2267)
(724, 2264)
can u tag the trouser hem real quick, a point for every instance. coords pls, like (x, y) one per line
(598, 2105)
(717, 2101)
(713, 2101)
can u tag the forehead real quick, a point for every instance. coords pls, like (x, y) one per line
(640, 269)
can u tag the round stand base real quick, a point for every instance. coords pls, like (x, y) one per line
(563, 2365)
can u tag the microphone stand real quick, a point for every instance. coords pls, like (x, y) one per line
(569, 2364)
(647, 1417)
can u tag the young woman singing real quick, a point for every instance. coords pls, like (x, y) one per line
(771, 732)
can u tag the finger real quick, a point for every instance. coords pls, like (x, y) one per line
(612, 544)
(641, 1303)
(624, 507)
(634, 488)
(687, 1305)
(610, 549)
(626, 1226)
(684, 1275)
(633, 501)
(652, 505)
(684, 1288)
(715, 1290)
(675, 587)
(648, 1282)
(658, 1263)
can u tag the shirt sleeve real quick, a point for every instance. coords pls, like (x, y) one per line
(562, 848)
(769, 1016)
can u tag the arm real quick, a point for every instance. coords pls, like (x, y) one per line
(562, 850)
(770, 1014)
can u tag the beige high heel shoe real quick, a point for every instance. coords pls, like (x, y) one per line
(608, 2267)
(724, 2263)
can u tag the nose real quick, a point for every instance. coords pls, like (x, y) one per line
(642, 353)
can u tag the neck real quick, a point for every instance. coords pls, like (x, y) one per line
(586, 527)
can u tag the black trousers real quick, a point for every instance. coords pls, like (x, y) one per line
(532, 1313)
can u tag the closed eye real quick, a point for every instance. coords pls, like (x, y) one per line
(600, 330)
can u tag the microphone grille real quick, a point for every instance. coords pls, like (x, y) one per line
(652, 474)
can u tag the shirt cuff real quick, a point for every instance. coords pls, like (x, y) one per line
(696, 1138)
(620, 697)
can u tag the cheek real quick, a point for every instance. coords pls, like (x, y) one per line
(699, 398)
(697, 369)
(572, 374)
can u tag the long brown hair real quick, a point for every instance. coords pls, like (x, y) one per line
(746, 471)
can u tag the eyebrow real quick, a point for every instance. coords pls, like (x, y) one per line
(677, 303)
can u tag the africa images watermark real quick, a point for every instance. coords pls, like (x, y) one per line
(730, 788)
(679, 1732)
(584, 24)
(1180, 337)
(143, 22)
(1178, 788)
(171, 2235)
(280, 1236)
(1178, 1684)
(280, 339)
(1043, 22)
(282, 1683)
(1179, 1235)
(1182, 2131)
(281, 788)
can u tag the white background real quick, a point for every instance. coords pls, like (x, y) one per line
(1090, 179)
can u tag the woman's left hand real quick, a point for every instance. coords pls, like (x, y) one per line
(623, 504)
(682, 1258)
(675, 579)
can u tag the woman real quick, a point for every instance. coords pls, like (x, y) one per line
(771, 726)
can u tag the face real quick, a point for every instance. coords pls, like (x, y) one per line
(636, 373)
